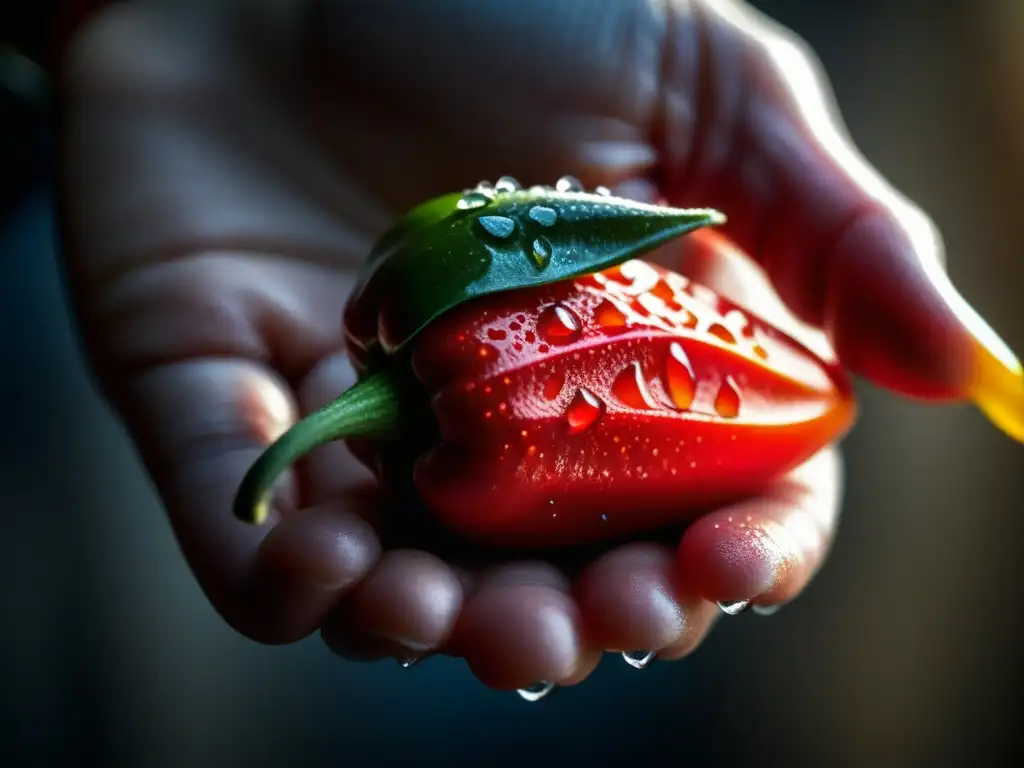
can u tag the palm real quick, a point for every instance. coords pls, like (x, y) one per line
(210, 269)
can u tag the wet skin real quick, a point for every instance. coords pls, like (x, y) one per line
(227, 166)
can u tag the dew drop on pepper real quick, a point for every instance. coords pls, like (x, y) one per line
(727, 401)
(558, 325)
(630, 389)
(722, 333)
(608, 316)
(584, 411)
(553, 385)
(541, 252)
(680, 380)
(663, 291)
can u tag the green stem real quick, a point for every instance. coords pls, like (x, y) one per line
(370, 409)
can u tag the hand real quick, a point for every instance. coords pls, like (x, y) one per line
(227, 166)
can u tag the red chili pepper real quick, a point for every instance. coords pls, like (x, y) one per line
(613, 404)
(598, 406)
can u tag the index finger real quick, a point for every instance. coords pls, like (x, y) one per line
(845, 251)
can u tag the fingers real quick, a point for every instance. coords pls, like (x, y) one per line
(760, 140)
(518, 624)
(632, 599)
(199, 427)
(765, 550)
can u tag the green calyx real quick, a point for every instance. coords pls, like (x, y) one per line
(492, 239)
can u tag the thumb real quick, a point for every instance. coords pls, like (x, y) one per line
(843, 249)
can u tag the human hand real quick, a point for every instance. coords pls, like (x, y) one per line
(226, 167)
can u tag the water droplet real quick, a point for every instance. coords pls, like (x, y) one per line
(541, 252)
(765, 610)
(609, 316)
(553, 386)
(679, 377)
(727, 401)
(484, 185)
(558, 325)
(497, 334)
(537, 691)
(719, 331)
(630, 388)
(411, 661)
(603, 191)
(543, 215)
(584, 411)
(499, 226)
(734, 608)
(639, 659)
(569, 184)
(664, 292)
(472, 200)
(507, 184)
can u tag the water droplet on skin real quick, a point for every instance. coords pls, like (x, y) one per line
(497, 334)
(507, 184)
(553, 386)
(558, 325)
(609, 317)
(584, 411)
(727, 401)
(734, 608)
(543, 215)
(680, 380)
(765, 610)
(639, 659)
(499, 226)
(541, 252)
(472, 200)
(569, 184)
(630, 388)
(536, 692)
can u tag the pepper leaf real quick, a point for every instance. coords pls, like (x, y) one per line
(462, 246)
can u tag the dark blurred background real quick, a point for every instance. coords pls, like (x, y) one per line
(906, 650)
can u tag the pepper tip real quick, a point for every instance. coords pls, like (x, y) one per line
(998, 390)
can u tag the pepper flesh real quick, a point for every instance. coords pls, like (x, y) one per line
(612, 404)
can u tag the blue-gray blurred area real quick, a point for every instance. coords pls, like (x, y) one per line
(905, 651)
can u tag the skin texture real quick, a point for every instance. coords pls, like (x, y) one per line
(227, 165)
